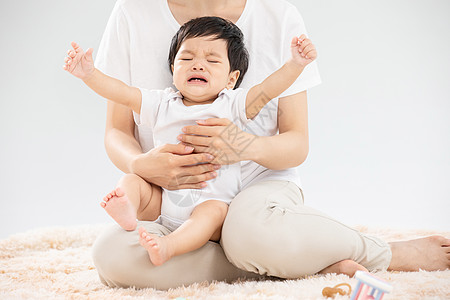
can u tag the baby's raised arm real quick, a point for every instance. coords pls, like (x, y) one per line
(303, 52)
(81, 65)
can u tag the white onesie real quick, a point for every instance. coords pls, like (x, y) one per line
(162, 117)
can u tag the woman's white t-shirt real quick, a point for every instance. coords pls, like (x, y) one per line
(135, 48)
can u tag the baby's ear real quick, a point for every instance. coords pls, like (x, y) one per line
(171, 68)
(232, 79)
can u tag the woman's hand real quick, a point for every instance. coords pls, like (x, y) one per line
(220, 138)
(175, 167)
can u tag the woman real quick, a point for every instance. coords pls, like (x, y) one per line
(267, 227)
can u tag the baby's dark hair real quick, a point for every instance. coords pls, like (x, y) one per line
(217, 28)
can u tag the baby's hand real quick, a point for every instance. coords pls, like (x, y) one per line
(79, 63)
(303, 51)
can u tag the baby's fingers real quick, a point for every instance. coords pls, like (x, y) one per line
(304, 44)
(71, 53)
(301, 38)
(311, 54)
(67, 64)
(307, 50)
(89, 53)
(67, 61)
(76, 47)
(295, 41)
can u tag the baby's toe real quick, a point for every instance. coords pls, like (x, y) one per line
(153, 243)
(119, 192)
(141, 230)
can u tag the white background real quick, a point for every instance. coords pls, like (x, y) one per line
(379, 122)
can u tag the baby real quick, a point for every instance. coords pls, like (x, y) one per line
(208, 60)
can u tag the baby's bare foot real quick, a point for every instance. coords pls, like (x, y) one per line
(430, 254)
(157, 247)
(346, 266)
(119, 207)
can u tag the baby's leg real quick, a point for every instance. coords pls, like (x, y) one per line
(133, 198)
(204, 224)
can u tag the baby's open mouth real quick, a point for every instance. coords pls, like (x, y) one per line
(197, 79)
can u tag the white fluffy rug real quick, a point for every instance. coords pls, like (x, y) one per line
(55, 263)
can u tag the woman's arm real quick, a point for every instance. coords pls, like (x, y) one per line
(285, 150)
(168, 166)
(120, 143)
(290, 147)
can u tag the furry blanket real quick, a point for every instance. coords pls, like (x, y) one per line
(55, 263)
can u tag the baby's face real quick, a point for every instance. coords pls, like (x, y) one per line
(201, 69)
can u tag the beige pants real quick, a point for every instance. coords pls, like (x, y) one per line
(267, 231)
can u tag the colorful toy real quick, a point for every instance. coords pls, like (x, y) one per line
(369, 287)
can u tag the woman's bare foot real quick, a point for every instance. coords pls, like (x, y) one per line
(157, 247)
(346, 266)
(119, 207)
(430, 254)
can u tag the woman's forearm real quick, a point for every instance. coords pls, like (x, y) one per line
(281, 151)
(168, 166)
(229, 144)
(122, 149)
(289, 148)
(120, 142)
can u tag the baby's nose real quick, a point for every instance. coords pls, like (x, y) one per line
(197, 67)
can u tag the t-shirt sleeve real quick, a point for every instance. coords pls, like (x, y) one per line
(294, 26)
(113, 56)
(151, 101)
(238, 107)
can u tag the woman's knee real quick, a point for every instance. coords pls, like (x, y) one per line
(106, 253)
(118, 257)
(261, 223)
